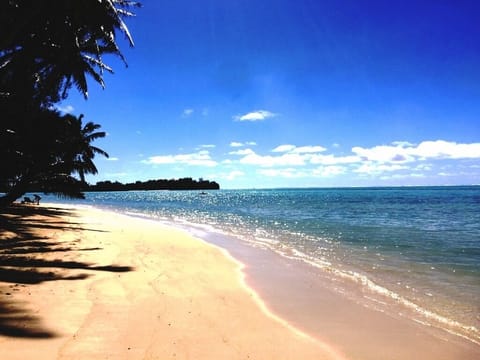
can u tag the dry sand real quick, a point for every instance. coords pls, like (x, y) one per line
(89, 284)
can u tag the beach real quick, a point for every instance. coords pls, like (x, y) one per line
(84, 283)
(110, 286)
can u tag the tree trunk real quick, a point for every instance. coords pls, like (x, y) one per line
(12, 195)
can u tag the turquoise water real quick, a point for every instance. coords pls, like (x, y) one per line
(415, 251)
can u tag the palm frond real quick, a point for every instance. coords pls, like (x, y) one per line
(99, 151)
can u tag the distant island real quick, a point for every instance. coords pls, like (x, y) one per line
(160, 184)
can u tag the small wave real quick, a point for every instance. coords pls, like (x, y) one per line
(427, 317)
(454, 327)
(378, 294)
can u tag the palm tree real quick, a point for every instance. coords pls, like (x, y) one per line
(46, 47)
(84, 151)
(52, 45)
(48, 154)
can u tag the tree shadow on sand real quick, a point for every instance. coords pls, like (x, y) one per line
(17, 322)
(21, 263)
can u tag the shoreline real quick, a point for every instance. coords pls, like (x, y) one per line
(319, 306)
(430, 341)
(100, 284)
(349, 283)
(288, 294)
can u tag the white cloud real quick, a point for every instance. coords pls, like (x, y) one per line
(242, 152)
(375, 168)
(396, 161)
(291, 155)
(402, 143)
(446, 149)
(270, 161)
(383, 153)
(423, 167)
(299, 150)
(309, 149)
(240, 144)
(68, 109)
(284, 148)
(406, 152)
(328, 171)
(333, 160)
(283, 173)
(112, 159)
(402, 176)
(201, 158)
(295, 173)
(232, 175)
(258, 115)
(187, 112)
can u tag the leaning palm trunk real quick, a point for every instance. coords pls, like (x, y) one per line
(11, 196)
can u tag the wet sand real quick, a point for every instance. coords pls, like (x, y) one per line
(320, 307)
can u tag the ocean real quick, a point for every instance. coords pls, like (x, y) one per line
(412, 251)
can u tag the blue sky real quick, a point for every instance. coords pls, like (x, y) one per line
(281, 93)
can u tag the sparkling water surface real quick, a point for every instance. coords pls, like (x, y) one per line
(418, 247)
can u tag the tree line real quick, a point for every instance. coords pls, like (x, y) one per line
(46, 48)
(160, 184)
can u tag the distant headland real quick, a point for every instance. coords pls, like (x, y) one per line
(160, 184)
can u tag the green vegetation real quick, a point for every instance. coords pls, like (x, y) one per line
(46, 47)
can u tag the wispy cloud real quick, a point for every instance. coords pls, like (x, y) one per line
(331, 159)
(289, 173)
(299, 150)
(251, 158)
(241, 144)
(112, 159)
(295, 173)
(376, 168)
(284, 148)
(258, 115)
(200, 158)
(68, 109)
(230, 176)
(187, 112)
(329, 171)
